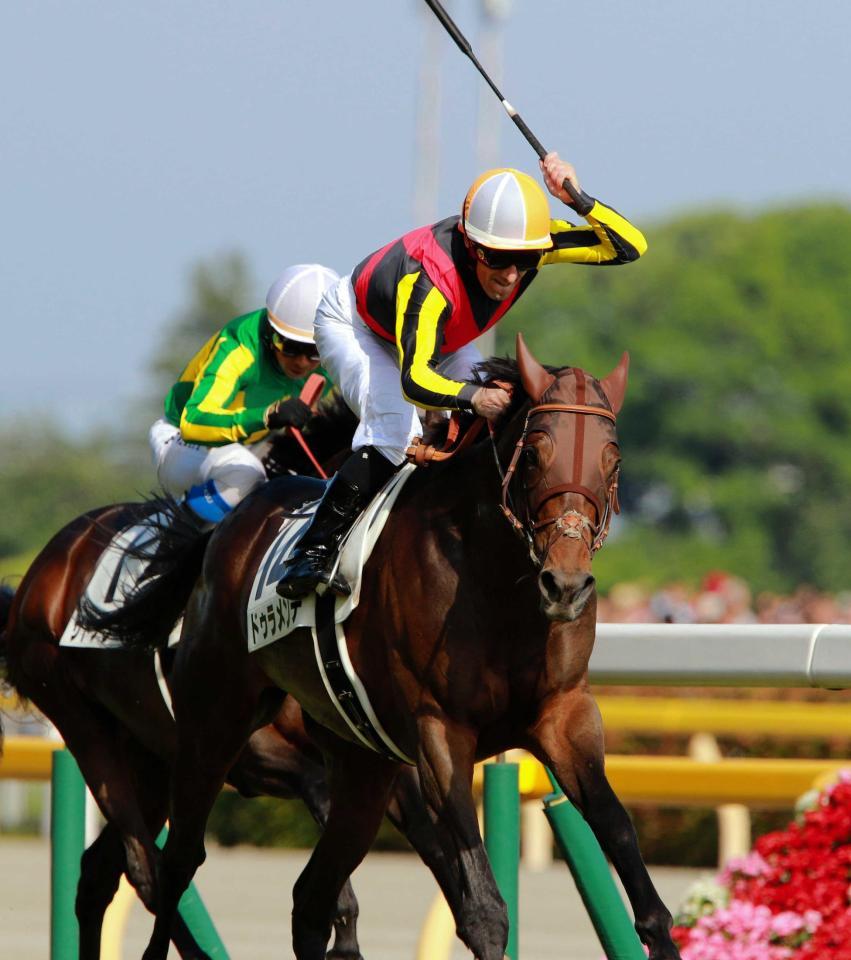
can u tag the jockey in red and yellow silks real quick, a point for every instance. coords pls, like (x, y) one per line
(399, 331)
(427, 280)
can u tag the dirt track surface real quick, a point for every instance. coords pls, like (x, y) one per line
(248, 892)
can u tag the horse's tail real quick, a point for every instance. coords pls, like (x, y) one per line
(6, 595)
(147, 614)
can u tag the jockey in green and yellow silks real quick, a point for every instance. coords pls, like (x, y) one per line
(244, 382)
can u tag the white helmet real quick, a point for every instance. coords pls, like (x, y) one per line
(507, 210)
(293, 298)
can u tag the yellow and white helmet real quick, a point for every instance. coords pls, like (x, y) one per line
(293, 298)
(507, 210)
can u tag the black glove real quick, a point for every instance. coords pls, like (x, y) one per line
(291, 412)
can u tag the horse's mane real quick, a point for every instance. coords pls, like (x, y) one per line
(507, 370)
(497, 368)
(328, 432)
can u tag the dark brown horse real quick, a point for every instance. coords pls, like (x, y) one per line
(469, 640)
(108, 706)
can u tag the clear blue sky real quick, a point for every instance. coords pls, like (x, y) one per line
(138, 138)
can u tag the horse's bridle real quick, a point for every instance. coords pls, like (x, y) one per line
(571, 523)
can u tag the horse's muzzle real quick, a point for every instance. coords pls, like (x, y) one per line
(564, 595)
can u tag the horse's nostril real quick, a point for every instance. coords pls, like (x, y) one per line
(587, 584)
(550, 586)
(558, 587)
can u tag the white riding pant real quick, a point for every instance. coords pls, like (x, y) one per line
(366, 369)
(234, 468)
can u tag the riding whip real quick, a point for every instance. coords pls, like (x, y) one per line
(580, 202)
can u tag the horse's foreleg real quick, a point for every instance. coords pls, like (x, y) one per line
(346, 911)
(130, 786)
(359, 783)
(285, 770)
(445, 765)
(151, 779)
(209, 740)
(570, 742)
(408, 812)
(194, 791)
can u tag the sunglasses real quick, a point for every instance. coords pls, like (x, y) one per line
(295, 348)
(501, 259)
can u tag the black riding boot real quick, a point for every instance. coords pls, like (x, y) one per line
(351, 489)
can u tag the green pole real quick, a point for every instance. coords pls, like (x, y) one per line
(502, 838)
(67, 842)
(196, 917)
(593, 878)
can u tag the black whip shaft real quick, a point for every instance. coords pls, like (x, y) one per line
(579, 201)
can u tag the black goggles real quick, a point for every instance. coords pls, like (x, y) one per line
(502, 259)
(295, 348)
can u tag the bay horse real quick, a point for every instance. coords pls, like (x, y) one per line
(469, 640)
(109, 708)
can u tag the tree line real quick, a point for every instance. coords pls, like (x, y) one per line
(735, 429)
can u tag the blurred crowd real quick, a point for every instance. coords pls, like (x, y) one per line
(720, 598)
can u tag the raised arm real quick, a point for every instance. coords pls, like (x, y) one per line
(607, 238)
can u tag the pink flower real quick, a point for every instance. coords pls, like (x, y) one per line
(751, 865)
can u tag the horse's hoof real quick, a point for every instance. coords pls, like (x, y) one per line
(343, 955)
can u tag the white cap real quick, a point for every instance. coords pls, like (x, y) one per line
(293, 298)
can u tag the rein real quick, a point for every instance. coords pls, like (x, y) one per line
(309, 453)
(422, 453)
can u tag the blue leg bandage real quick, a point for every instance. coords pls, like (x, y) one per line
(205, 501)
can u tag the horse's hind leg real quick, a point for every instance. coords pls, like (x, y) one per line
(99, 748)
(359, 784)
(569, 739)
(105, 860)
(101, 868)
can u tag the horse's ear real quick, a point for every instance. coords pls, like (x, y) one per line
(534, 377)
(614, 384)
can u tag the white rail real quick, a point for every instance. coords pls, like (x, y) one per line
(746, 655)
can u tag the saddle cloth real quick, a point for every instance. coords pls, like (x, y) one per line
(114, 577)
(270, 617)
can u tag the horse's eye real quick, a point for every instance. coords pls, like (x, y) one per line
(531, 457)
